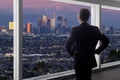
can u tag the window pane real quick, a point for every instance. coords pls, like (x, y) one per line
(6, 39)
(47, 25)
(111, 28)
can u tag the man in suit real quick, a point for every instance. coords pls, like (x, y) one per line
(82, 46)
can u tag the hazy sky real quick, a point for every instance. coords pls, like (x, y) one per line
(40, 4)
(39, 7)
(6, 4)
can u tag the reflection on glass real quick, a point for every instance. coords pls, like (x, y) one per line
(111, 27)
(6, 40)
(47, 25)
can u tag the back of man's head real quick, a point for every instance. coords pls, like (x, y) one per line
(84, 14)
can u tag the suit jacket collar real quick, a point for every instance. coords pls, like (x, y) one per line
(85, 23)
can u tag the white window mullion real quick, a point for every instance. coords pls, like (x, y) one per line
(96, 20)
(17, 39)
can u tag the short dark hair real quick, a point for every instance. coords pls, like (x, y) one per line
(84, 14)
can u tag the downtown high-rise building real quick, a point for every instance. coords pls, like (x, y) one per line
(29, 27)
(11, 25)
(61, 25)
(59, 29)
(65, 23)
(49, 23)
(53, 23)
(46, 24)
(59, 21)
(39, 25)
(45, 18)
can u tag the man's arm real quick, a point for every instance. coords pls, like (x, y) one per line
(104, 41)
(70, 42)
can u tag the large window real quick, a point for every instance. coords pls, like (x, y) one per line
(6, 40)
(111, 28)
(46, 28)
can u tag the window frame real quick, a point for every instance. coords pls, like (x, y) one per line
(17, 13)
(95, 20)
(109, 64)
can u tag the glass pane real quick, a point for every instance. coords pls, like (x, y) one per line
(111, 28)
(6, 39)
(47, 25)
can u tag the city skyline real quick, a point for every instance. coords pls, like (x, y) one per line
(32, 11)
(46, 29)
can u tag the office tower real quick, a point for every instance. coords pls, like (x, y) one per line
(54, 20)
(39, 27)
(35, 30)
(24, 28)
(60, 19)
(59, 25)
(11, 25)
(46, 29)
(44, 20)
(53, 24)
(65, 23)
(48, 23)
(64, 26)
(29, 27)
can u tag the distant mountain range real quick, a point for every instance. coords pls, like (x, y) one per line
(31, 14)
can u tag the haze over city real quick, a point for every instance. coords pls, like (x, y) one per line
(38, 8)
(46, 28)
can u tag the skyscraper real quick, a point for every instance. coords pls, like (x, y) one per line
(40, 26)
(59, 25)
(11, 25)
(54, 18)
(49, 23)
(29, 27)
(64, 26)
(60, 21)
(53, 23)
(44, 20)
(65, 23)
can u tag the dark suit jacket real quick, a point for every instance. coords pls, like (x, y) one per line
(85, 38)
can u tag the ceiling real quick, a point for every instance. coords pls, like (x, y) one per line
(115, 3)
(116, 0)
